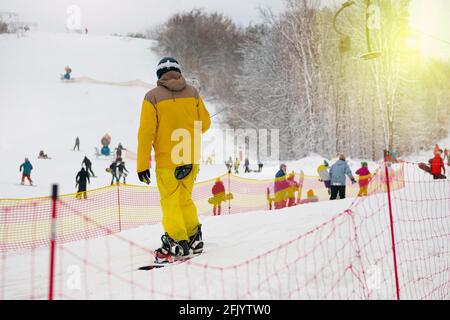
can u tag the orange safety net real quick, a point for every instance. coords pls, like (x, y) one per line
(25, 223)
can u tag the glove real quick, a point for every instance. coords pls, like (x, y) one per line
(144, 176)
(353, 181)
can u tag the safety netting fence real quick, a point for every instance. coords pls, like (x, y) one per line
(392, 244)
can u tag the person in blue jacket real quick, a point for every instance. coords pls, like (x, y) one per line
(26, 167)
(338, 171)
(67, 74)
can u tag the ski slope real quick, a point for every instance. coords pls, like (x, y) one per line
(38, 111)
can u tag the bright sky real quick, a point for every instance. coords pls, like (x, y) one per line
(432, 17)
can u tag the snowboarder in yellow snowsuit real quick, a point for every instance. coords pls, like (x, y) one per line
(173, 117)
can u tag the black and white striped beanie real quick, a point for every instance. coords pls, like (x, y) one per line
(167, 64)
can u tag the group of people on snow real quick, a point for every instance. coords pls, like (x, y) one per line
(334, 179)
(230, 164)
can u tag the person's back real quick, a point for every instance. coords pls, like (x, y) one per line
(172, 107)
(364, 175)
(338, 171)
(113, 167)
(218, 188)
(324, 175)
(87, 162)
(122, 168)
(82, 177)
(364, 179)
(27, 167)
(437, 165)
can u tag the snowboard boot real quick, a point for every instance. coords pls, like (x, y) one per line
(170, 250)
(196, 241)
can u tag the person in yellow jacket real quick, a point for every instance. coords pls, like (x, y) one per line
(236, 166)
(173, 117)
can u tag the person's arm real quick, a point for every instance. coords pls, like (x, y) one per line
(203, 115)
(349, 174)
(20, 168)
(77, 178)
(146, 135)
(88, 179)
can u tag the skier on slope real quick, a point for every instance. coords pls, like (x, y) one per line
(82, 180)
(260, 166)
(247, 165)
(229, 164)
(88, 165)
(43, 155)
(119, 150)
(338, 171)
(77, 144)
(123, 172)
(113, 170)
(27, 167)
(437, 166)
(236, 166)
(67, 74)
(173, 106)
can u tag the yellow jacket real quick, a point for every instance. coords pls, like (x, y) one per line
(168, 117)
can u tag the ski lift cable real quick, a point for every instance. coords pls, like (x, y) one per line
(431, 36)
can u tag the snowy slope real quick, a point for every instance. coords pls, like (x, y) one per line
(40, 112)
(229, 240)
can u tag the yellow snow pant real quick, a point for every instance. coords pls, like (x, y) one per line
(363, 191)
(179, 218)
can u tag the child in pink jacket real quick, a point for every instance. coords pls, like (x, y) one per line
(364, 178)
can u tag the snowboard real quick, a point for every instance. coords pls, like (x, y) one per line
(427, 169)
(228, 197)
(178, 260)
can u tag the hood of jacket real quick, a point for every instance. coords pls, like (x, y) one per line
(172, 81)
(340, 163)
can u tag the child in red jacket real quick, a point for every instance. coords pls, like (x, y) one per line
(218, 192)
(364, 178)
(437, 166)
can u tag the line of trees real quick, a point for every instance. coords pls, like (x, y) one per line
(289, 73)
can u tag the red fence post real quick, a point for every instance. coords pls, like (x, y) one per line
(52, 241)
(394, 253)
